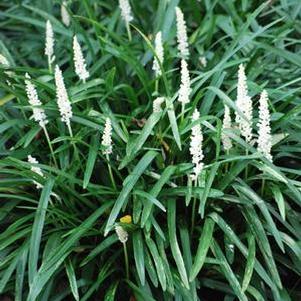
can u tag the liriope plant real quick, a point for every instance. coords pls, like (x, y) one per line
(132, 170)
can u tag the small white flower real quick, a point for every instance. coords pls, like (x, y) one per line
(62, 97)
(227, 144)
(157, 104)
(107, 137)
(246, 127)
(203, 61)
(36, 170)
(160, 54)
(182, 34)
(49, 45)
(79, 61)
(38, 113)
(185, 89)
(244, 103)
(122, 234)
(264, 129)
(4, 61)
(196, 147)
(64, 14)
(126, 11)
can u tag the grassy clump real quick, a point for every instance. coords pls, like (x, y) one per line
(232, 235)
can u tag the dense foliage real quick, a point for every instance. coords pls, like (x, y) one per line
(232, 235)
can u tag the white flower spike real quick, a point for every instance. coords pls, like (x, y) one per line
(126, 11)
(62, 97)
(49, 44)
(160, 54)
(182, 34)
(244, 103)
(264, 142)
(32, 95)
(64, 14)
(242, 91)
(196, 147)
(106, 141)
(157, 104)
(79, 61)
(122, 234)
(227, 144)
(35, 169)
(185, 89)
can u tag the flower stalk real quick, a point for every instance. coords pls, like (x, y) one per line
(79, 61)
(38, 112)
(182, 34)
(106, 142)
(65, 14)
(227, 143)
(126, 14)
(123, 237)
(264, 142)
(196, 142)
(158, 59)
(244, 103)
(185, 89)
(49, 45)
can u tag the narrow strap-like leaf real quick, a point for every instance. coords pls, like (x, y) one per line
(130, 181)
(204, 244)
(37, 229)
(175, 249)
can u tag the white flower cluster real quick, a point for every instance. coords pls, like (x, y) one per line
(49, 44)
(64, 14)
(264, 129)
(182, 34)
(264, 140)
(126, 11)
(79, 61)
(244, 103)
(157, 104)
(62, 97)
(227, 144)
(38, 113)
(196, 147)
(185, 89)
(35, 169)
(107, 137)
(122, 234)
(160, 54)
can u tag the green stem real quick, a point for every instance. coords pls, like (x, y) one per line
(182, 113)
(49, 64)
(110, 172)
(126, 260)
(262, 187)
(50, 146)
(246, 170)
(193, 211)
(156, 85)
(227, 163)
(74, 146)
(129, 31)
